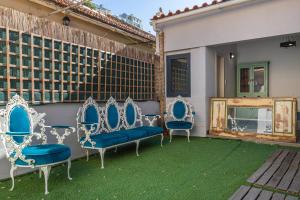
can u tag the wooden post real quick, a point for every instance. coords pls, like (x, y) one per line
(7, 62)
(160, 75)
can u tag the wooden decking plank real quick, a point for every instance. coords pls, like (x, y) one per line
(265, 195)
(291, 198)
(269, 173)
(276, 178)
(252, 194)
(254, 177)
(289, 176)
(278, 196)
(240, 193)
(295, 185)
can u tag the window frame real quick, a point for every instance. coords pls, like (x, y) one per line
(251, 66)
(169, 91)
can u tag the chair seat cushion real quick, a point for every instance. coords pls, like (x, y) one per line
(45, 154)
(150, 130)
(133, 134)
(103, 140)
(179, 125)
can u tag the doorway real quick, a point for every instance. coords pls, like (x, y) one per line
(220, 76)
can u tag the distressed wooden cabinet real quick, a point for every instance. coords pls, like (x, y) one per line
(259, 118)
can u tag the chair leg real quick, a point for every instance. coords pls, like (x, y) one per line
(137, 148)
(170, 133)
(102, 152)
(87, 155)
(161, 140)
(12, 169)
(69, 167)
(46, 170)
(188, 135)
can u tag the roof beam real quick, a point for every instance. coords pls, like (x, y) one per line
(79, 3)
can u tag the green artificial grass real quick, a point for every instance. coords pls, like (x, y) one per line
(202, 169)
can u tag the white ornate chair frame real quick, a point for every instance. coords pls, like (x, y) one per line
(101, 126)
(104, 126)
(139, 119)
(11, 146)
(119, 126)
(95, 127)
(188, 116)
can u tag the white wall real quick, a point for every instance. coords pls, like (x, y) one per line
(202, 86)
(65, 114)
(284, 72)
(262, 18)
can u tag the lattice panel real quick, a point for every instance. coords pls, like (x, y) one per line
(45, 70)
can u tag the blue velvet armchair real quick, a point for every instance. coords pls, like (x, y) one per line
(179, 117)
(18, 125)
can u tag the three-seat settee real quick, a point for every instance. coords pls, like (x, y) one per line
(103, 128)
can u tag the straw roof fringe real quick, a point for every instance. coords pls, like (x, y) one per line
(28, 23)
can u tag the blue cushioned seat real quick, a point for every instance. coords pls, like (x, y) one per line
(103, 140)
(179, 125)
(133, 134)
(45, 154)
(150, 130)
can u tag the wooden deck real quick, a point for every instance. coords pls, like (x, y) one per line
(281, 171)
(278, 178)
(253, 193)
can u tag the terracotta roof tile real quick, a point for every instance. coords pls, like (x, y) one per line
(105, 18)
(195, 7)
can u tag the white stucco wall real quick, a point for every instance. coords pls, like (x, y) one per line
(261, 18)
(242, 26)
(202, 86)
(284, 71)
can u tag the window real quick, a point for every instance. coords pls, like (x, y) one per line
(45, 70)
(178, 75)
(252, 79)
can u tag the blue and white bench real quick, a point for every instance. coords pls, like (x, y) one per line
(18, 125)
(112, 126)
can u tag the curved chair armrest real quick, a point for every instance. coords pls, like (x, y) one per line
(67, 132)
(87, 132)
(84, 125)
(151, 115)
(17, 133)
(14, 150)
(151, 118)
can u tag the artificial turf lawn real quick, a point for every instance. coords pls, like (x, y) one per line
(202, 169)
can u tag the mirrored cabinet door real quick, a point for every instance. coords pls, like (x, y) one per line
(252, 79)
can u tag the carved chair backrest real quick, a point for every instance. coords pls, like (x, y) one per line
(179, 109)
(91, 115)
(112, 115)
(18, 118)
(132, 114)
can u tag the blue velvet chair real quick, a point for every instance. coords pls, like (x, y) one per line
(179, 117)
(19, 123)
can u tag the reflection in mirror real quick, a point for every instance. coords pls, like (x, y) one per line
(250, 120)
